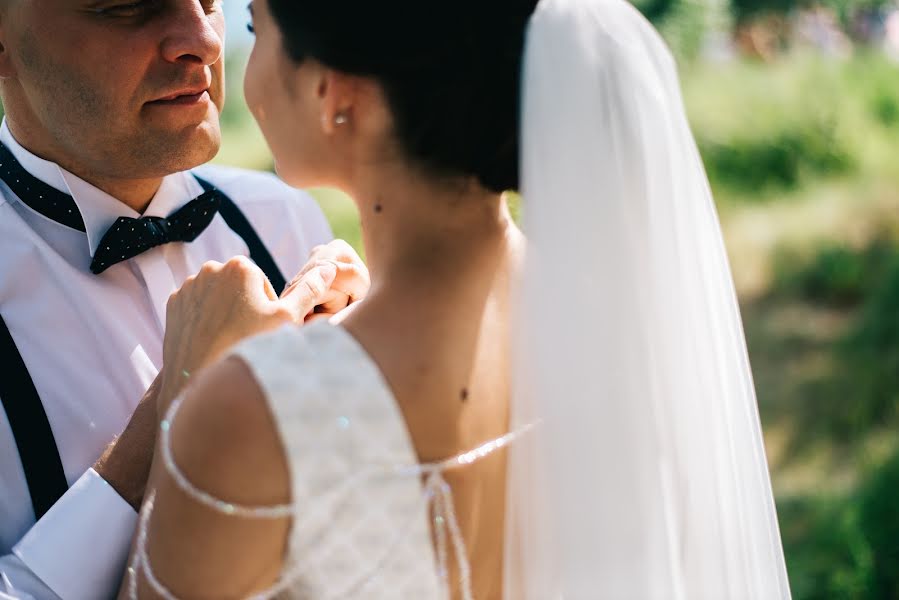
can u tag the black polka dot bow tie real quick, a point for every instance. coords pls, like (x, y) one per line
(127, 237)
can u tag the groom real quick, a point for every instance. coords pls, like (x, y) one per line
(109, 104)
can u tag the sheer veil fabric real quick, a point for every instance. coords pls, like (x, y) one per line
(646, 477)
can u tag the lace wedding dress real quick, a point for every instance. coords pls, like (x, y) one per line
(362, 506)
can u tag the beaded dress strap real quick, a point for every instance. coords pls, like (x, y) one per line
(437, 494)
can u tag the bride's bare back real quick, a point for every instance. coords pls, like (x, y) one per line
(445, 351)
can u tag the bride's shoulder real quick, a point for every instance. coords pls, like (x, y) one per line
(248, 418)
(228, 429)
(225, 436)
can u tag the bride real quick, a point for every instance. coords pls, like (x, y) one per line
(574, 422)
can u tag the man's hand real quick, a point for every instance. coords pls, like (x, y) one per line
(212, 311)
(224, 304)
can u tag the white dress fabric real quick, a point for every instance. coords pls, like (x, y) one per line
(362, 506)
(361, 527)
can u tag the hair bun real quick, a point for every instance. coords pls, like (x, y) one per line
(450, 70)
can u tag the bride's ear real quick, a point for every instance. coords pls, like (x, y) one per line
(336, 95)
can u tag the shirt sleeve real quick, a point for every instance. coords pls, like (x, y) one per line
(26, 587)
(78, 550)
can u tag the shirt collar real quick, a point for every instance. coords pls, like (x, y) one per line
(98, 209)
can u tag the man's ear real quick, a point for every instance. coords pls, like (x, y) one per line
(7, 68)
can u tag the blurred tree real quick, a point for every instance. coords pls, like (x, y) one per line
(879, 522)
(847, 11)
(655, 10)
(745, 10)
(687, 25)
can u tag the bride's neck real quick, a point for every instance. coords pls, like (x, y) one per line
(424, 232)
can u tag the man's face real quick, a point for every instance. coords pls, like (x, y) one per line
(114, 88)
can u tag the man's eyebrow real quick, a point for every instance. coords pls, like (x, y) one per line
(250, 8)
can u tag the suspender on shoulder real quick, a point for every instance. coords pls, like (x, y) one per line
(239, 224)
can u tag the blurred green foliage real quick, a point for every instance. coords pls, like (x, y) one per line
(688, 25)
(804, 151)
(859, 393)
(655, 10)
(746, 9)
(660, 11)
(841, 541)
(846, 546)
(870, 355)
(764, 130)
(879, 524)
(836, 275)
(780, 160)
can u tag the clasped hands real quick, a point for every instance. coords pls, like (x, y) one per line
(226, 303)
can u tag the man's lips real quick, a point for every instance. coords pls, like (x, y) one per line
(186, 97)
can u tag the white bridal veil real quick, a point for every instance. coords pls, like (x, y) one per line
(647, 476)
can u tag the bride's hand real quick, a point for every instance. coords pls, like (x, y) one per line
(350, 285)
(225, 303)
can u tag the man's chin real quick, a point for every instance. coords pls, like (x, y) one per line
(189, 147)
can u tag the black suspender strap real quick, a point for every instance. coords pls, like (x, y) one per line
(239, 224)
(37, 447)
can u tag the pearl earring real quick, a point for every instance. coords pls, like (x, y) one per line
(340, 119)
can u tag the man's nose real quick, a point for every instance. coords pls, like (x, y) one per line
(191, 35)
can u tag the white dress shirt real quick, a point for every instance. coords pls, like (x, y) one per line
(93, 344)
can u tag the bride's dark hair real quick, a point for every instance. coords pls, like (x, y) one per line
(450, 70)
